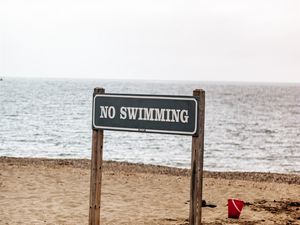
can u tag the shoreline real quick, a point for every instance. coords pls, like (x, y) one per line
(36, 191)
(127, 167)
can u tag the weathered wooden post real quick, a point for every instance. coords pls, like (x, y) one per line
(197, 162)
(96, 172)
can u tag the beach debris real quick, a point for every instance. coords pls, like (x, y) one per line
(297, 204)
(247, 203)
(205, 204)
(286, 207)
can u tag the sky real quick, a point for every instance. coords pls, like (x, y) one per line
(207, 40)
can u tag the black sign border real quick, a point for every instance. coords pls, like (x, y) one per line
(163, 97)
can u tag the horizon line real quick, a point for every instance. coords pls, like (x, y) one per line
(149, 79)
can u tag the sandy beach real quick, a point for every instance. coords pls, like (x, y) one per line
(56, 191)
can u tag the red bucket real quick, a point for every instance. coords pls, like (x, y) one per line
(235, 207)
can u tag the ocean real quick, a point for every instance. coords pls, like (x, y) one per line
(248, 126)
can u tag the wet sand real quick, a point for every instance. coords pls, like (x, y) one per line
(56, 191)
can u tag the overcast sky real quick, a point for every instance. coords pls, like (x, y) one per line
(213, 40)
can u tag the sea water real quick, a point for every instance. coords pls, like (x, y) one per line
(248, 127)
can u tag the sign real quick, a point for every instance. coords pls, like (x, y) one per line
(154, 114)
(158, 114)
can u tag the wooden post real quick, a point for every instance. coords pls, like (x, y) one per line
(96, 172)
(197, 163)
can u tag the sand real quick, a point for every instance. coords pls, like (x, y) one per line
(52, 191)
